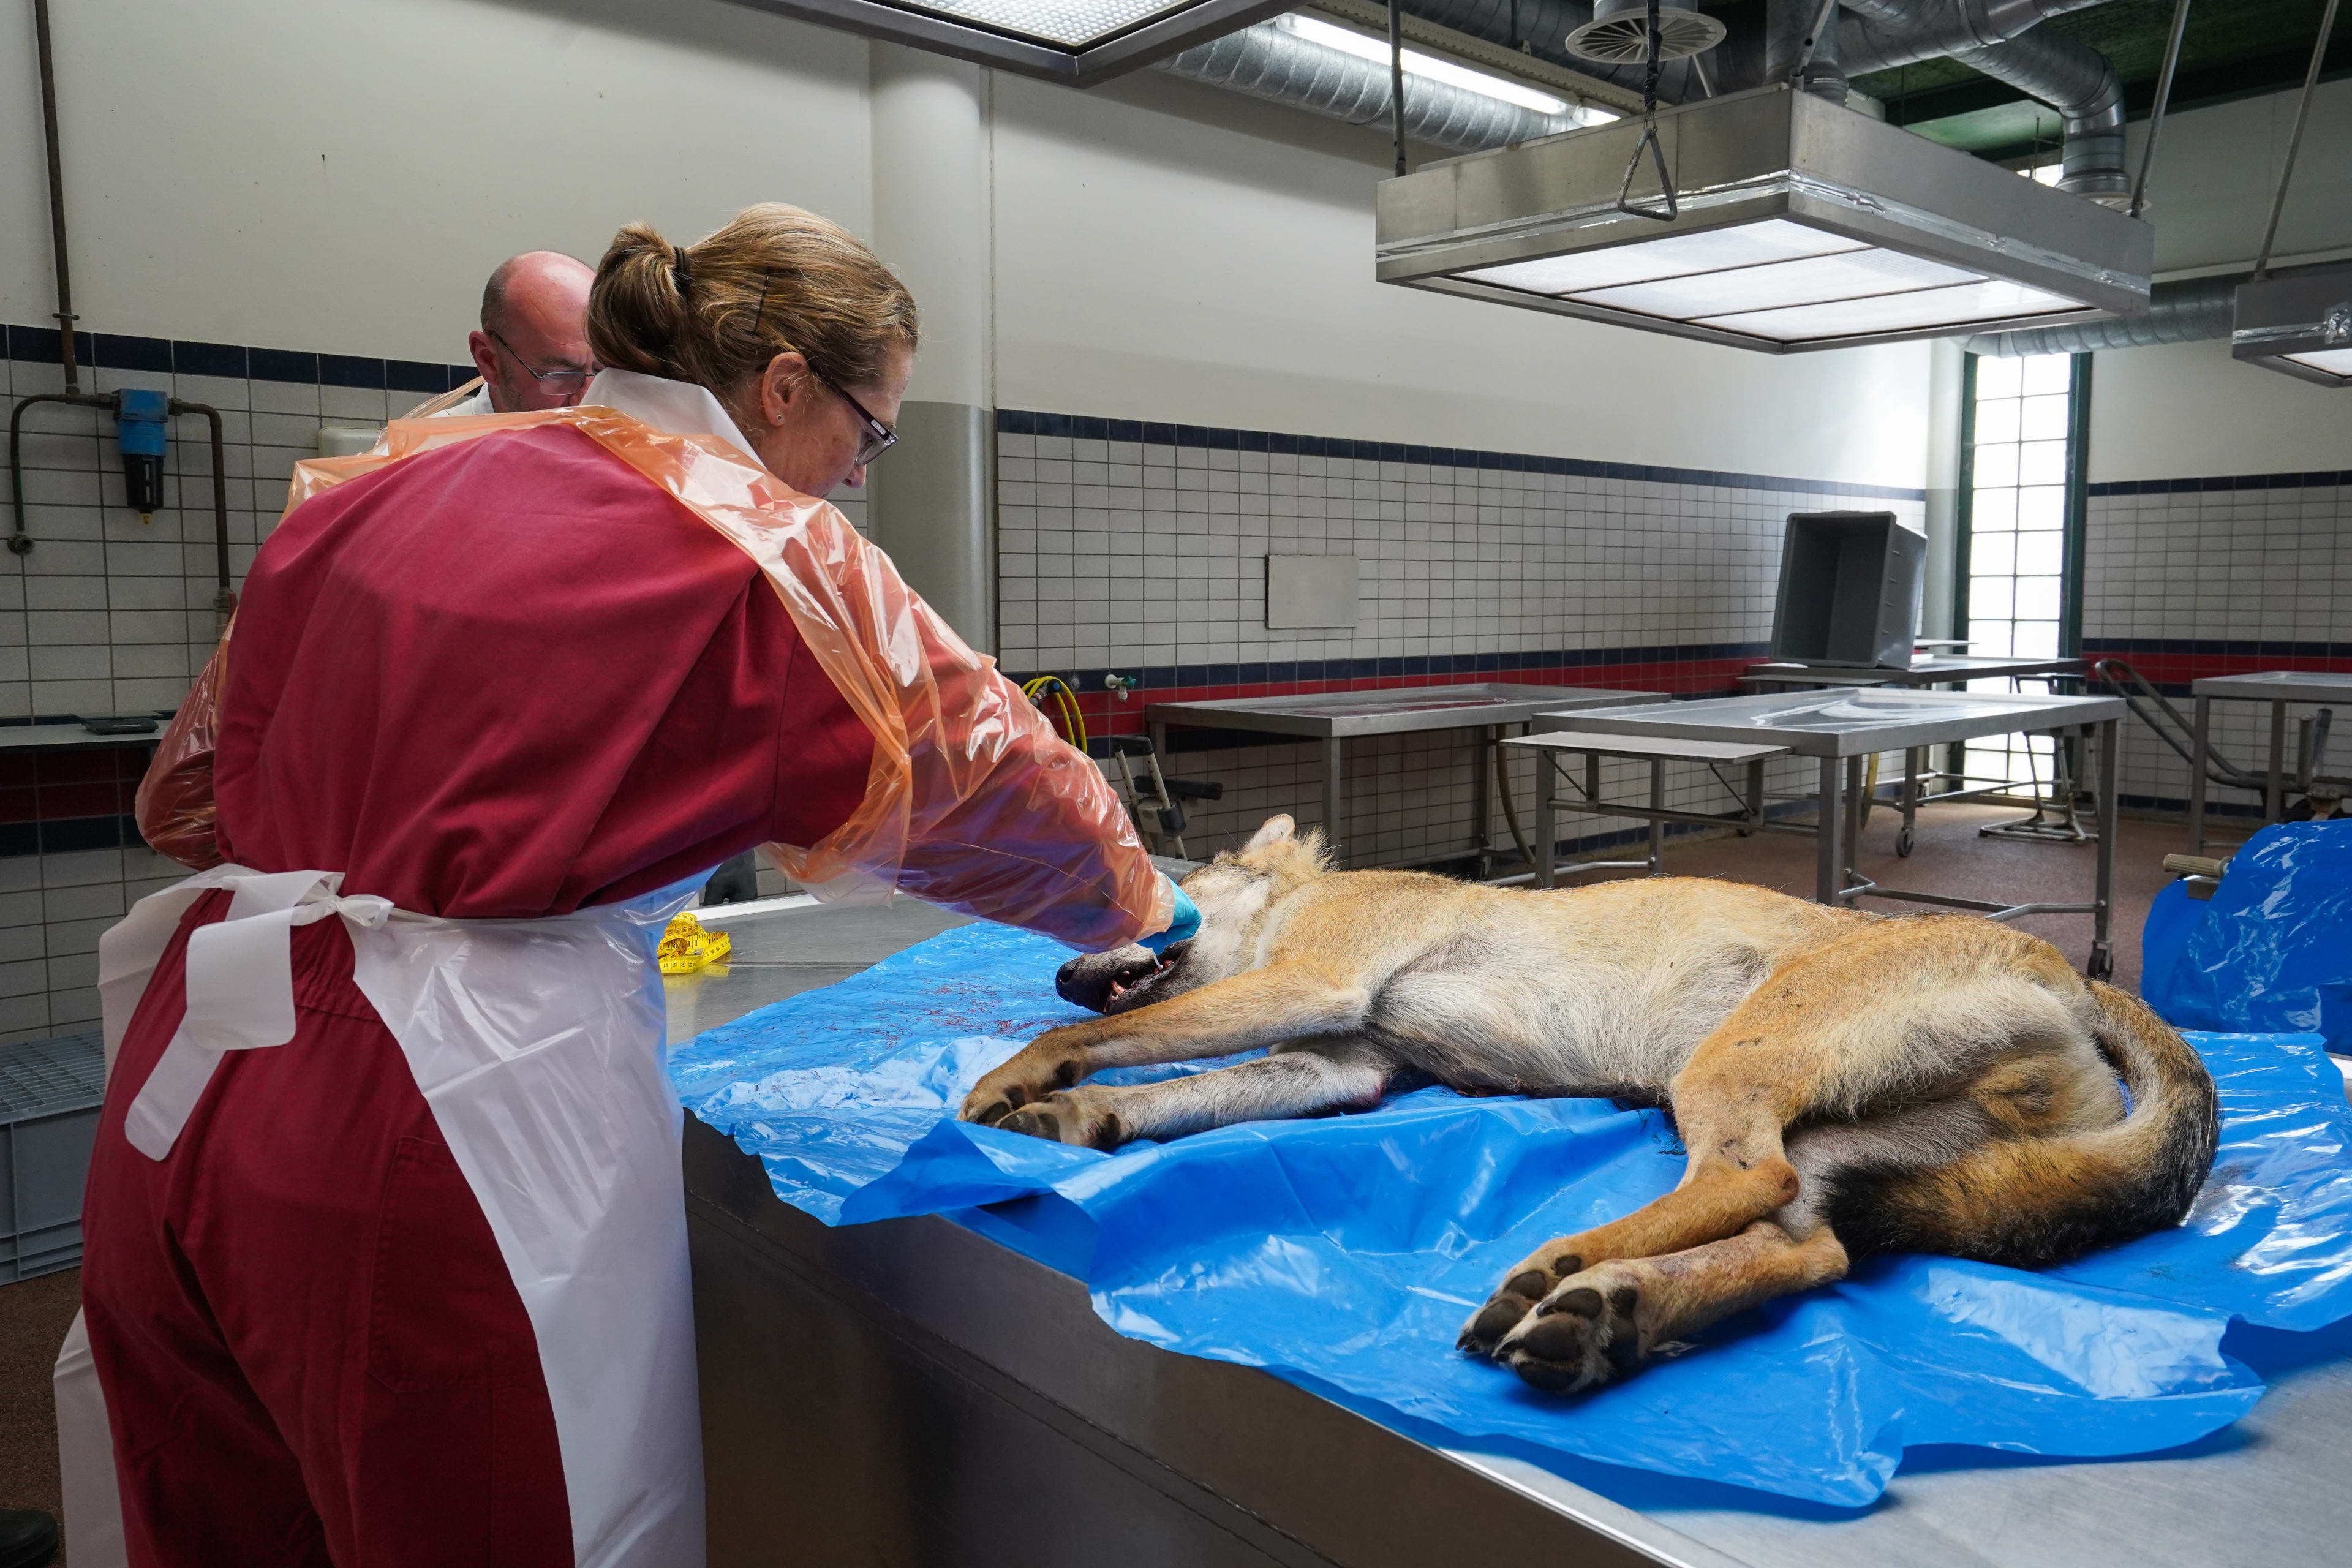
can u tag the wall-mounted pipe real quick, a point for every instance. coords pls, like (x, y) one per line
(65, 312)
(1270, 62)
(2002, 38)
(20, 539)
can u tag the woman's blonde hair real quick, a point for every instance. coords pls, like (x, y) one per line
(772, 279)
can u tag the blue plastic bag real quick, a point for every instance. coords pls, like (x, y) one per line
(2272, 950)
(1344, 1252)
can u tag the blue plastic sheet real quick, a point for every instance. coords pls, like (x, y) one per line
(2271, 950)
(1344, 1253)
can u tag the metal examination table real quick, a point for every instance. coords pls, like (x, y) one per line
(1841, 730)
(1333, 717)
(912, 1394)
(1952, 670)
(2276, 687)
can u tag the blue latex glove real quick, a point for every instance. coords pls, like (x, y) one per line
(1180, 929)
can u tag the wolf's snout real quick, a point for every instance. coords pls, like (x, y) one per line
(1093, 980)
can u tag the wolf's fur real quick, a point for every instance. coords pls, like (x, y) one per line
(1844, 1083)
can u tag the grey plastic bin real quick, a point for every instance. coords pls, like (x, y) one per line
(49, 1096)
(1849, 590)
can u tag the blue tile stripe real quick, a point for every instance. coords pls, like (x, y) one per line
(2323, 478)
(1161, 677)
(39, 345)
(1024, 422)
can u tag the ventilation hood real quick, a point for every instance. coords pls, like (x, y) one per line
(1074, 42)
(2300, 324)
(1799, 224)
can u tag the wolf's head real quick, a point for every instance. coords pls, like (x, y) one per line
(1233, 892)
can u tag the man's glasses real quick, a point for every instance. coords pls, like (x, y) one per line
(879, 438)
(561, 382)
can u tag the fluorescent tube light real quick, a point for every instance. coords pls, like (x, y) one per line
(1430, 68)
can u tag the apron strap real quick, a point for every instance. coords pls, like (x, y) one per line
(240, 988)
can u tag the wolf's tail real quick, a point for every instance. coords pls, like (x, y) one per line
(2032, 1202)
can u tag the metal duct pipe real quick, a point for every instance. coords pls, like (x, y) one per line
(1997, 38)
(1265, 61)
(1543, 27)
(1787, 25)
(2189, 310)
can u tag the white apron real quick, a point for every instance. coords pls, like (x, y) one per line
(538, 1044)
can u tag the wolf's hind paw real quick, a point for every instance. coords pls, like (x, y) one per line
(1580, 1336)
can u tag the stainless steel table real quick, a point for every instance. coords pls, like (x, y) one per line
(1842, 729)
(1550, 748)
(912, 1395)
(1952, 670)
(2276, 687)
(1332, 717)
(1942, 669)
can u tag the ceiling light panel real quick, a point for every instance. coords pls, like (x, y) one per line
(1802, 225)
(2300, 324)
(1817, 280)
(1070, 23)
(1077, 42)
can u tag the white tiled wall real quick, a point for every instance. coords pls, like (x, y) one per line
(1129, 555)
(109, 614)
(53, 908)
(2270, 565)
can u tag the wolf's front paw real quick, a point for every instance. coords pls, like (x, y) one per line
(1044, 1066)
(1071, 1115)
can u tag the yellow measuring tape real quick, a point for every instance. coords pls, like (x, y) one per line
(1066, 697)
(686, 947)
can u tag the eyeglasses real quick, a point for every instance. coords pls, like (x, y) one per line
(879, 438)
(561, 382)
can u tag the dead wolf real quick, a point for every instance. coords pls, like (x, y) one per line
(1844, 1083)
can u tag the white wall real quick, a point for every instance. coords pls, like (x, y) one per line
(1156, 261)
(341, 175)
(2216, 168)
(2189, 410)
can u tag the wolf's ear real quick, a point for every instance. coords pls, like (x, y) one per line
(1278, 829)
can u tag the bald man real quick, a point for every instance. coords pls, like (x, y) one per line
(532, 346)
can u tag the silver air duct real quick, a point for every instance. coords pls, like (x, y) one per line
(2189, 310)
(1995, 37)
(1266, 61)
(1787, 25)
(1543, 27)
(2186, 311)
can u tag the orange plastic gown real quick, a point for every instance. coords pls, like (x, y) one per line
(965, 768)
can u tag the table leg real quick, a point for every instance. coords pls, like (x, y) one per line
(1547, 781)
(1857, 807)
(1755, 797)
(2103, 962)
(1828, 862)
(1481, 806)
(1657, 826)
(1331, 798)
(2275, 797)
(1904, 838)
(1159, 728)
(2201, 751)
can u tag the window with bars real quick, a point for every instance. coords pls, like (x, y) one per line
(2022, 499)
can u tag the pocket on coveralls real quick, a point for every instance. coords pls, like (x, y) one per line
(443, 1314)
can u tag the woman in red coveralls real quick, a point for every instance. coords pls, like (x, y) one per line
(386, 1258)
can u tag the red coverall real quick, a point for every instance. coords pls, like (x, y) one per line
(508, 677)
